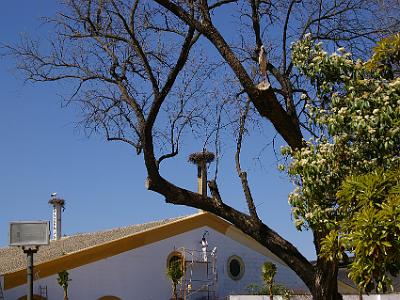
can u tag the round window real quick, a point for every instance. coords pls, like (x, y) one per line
(175, 257)
(235, 267)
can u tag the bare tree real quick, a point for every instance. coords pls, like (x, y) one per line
(146, 73)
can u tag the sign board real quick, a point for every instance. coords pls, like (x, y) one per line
(29, 233)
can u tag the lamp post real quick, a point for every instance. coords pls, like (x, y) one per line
(29, 235)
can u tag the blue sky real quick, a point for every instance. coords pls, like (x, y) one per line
(42, 151)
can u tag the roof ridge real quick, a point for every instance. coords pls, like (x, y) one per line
(166, 220)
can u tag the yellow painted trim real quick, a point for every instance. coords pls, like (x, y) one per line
(102, 251)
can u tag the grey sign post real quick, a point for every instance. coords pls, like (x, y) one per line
(29, 235)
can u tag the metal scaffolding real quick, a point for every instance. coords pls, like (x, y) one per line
(200, 276)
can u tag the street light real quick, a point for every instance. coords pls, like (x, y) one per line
(29, 235)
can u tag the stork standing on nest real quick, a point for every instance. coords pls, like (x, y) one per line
(263, 63)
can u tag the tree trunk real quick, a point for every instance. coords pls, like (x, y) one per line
(325, 284)
(65, 293)
(175, 291)
(271, 296)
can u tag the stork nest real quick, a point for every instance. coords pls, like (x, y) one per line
(204, 156)
(54, 201)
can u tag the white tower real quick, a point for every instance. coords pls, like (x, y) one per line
(58, 204)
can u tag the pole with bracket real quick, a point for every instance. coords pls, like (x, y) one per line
(29, 270)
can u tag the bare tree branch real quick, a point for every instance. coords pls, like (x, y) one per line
(243, 175)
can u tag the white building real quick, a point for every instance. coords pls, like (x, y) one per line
(130, 263)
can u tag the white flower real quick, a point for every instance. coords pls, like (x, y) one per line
(394, 83)
(375, 111)
(303, 161)
(298, 223)
(307, 36)
(341, 49)
(342, 110)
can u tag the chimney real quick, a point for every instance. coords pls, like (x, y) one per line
(57, 203)
(201, 159)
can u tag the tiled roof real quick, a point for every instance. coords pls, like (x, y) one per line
(13, 259)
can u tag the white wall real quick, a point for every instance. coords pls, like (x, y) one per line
(264, 297)
(253, 262)
(139, 274)
(307, 297)
(373, 297)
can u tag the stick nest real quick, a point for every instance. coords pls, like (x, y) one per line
(57, 201)
(204, 156)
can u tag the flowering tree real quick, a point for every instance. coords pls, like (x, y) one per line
(358, 133)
